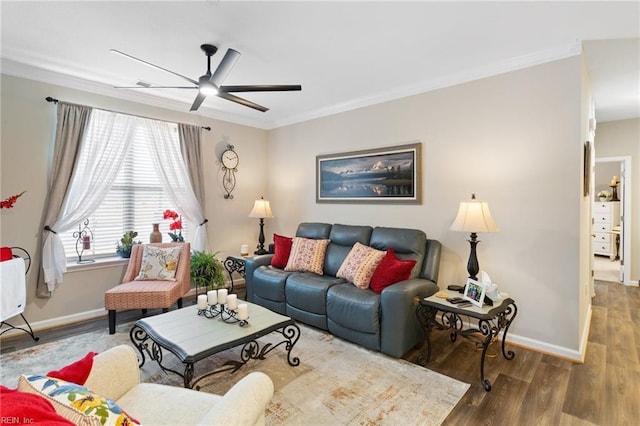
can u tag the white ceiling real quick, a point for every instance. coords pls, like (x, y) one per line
(345, 55)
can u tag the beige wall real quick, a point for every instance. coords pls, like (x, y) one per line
(620, 139)
(28, 128)
(515, 140)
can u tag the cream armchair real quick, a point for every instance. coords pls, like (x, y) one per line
(115, 375)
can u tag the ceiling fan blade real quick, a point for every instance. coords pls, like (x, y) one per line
(154, 87)
(198, 101)
(261, 88)
(153, 65)
(241, 101)
(228, 61)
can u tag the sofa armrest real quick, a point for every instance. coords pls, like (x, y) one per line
(114, 372)
(243, 404)
(250, 266)
(400, 328)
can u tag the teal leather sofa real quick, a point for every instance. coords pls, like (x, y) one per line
(383, 322)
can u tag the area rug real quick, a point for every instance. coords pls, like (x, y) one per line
(336, 383)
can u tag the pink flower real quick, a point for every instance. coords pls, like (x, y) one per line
(170, 214)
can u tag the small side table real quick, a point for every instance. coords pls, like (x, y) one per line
(235, 263)
(491, 321)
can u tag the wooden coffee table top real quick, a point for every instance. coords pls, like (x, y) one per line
(192, 337)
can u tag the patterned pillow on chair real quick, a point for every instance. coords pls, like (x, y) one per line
(360, 264)
(159, 263)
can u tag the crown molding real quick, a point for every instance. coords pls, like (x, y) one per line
(496, 68)
(27, 71)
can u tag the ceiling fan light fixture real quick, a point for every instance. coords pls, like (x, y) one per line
(208, 88)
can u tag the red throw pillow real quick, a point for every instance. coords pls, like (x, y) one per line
(390, 271)
(29, 408)
(5, 254)
(282, 249)
(77, 372)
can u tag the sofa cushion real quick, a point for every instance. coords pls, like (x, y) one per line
(360, 264)
(307, 255)
(343, 237)
(354, 308)
(159, 263)
(407, 243)
(269, 283)
(23, 405)
(314, 230)
(75, 402)
(390, 271)
(76, 372)
(281, 251)
(308, 292)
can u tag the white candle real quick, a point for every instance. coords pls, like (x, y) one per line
(222, 296)
(244, 250)
(202, 301)
(243, 311)
(212, 297)
(232, 301)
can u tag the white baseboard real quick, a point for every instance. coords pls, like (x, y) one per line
(87, 315)
(555, 350)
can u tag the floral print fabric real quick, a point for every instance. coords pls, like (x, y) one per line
(307, 255)
(360, 264)
(159, 263)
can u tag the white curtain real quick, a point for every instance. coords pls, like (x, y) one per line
(96, 170)
(175, 178)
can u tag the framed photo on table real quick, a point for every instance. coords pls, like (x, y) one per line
(474, 292)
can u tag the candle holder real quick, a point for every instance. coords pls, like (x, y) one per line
(230, 316)
(83, 236)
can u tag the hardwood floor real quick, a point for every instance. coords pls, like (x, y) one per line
(537, 389)
(533, 388)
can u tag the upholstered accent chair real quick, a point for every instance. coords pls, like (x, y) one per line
(149, 293)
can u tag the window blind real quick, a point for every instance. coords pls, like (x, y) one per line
(135, 201)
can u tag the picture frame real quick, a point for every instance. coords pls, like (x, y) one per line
(389, 175)
(474, 292)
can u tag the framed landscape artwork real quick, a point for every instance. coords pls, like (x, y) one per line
(388, 175)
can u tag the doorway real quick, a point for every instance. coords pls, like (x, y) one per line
(615, 265)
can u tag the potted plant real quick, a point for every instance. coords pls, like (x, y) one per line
(123, 249)
(604, 195)
(207, 271)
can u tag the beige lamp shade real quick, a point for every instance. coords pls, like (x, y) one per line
(261, 209)
(474, 216)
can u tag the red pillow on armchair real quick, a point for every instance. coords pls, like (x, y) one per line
(281, 250)
(390, 271)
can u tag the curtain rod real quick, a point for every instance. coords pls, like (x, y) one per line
(55, 101)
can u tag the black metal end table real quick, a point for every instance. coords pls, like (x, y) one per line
(491, 321)
(235, 263)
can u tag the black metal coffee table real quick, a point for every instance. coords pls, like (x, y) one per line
(192, 338)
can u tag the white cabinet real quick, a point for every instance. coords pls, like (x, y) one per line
(606, 216)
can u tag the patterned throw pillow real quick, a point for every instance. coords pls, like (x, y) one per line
(159, 263)
(75, 402)
(360, 264)
(307, 255)
(390, 271)
(281, 251)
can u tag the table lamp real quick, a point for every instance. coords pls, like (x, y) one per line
(474, 216)
(261, 209)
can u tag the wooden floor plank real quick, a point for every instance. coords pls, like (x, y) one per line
(526, 391)
(545, 396)
(586, 386)
(622, 394)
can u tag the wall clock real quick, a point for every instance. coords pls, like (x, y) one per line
(229, 160)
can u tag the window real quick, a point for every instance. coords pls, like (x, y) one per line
(135, 201)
